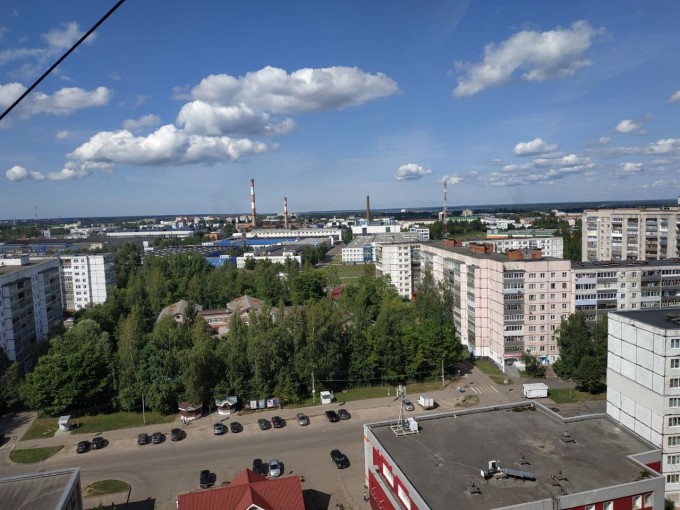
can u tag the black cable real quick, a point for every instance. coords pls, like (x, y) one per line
(61, 59)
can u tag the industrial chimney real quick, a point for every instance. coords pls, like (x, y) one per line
(368, 209)
(285, 213)
(252, 202)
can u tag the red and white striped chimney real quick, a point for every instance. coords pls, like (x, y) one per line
(252, 202)
(285, 212)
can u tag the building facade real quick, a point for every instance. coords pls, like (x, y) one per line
(85, 279)
(504, 305)
(550, 246)
(30, 305)
(398, 258)
(358, 251)
(643, 383)
(643, 233)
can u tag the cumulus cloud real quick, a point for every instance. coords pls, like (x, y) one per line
(19, 173)
(667, 147)
(627, 169)
(63, 134)
(56, 41)
(451, 180)
(535, 146)
(628, 126)
(603, 140)
(144, 121)
(64, 101)
(543, 171)
(674, 97)
(533, 56)
(223, 104)
(411, 172)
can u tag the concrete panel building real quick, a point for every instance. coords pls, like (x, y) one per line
(358, 251)
(641, 233)
(551, 246)
(398, 256)
(504, 305)
(519, 456)
(30, 305)
(85, 279)
(46, 490)
(643, 383)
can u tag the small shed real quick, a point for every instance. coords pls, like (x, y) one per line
(326, 397)
(226, 404)
(189, 411)
(65, 423)
(535, 390)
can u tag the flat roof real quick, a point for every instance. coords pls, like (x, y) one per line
(501, 257)
(9, 269)
(38, 491)
(455, 447)
(656, 317)
(618, 264)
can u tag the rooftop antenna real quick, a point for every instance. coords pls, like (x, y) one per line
(35, 211)
(445, 212)
(404, 425)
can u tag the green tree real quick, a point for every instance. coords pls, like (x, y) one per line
(532, 366)
(583, 352)
(308, 284)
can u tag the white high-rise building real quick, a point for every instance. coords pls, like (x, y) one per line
(398, 256)
(85, 279)
(30, 305)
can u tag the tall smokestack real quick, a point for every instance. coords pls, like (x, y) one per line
(285, 212)
(368, 208)
(252, 202)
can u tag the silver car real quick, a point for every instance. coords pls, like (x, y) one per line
(302, 419)
(274, 468)
(408, 405)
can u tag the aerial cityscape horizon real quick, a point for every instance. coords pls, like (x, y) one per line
(520, 102)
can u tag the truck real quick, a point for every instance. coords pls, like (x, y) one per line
(535, 390)
(426, 401)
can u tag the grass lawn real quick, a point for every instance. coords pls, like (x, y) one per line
(33, 455)
(566, 395)
(494, 373)
(120, 420)
(377, 391)
(103, 487)
(351, 272)
(41, 428)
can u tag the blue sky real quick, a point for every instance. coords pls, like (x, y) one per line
(173, 110)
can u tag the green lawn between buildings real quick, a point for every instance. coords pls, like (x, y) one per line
(33, 455)
(367, 392)
(104, 487)
(568, 395)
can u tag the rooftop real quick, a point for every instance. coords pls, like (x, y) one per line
(662, 318)
(455, 447)
(500, 257)
(38, 491)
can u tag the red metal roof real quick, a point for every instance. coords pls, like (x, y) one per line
(247, 489)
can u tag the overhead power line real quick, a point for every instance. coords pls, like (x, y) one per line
(61, 59)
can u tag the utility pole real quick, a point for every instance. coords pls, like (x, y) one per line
(443, 374)
(143, 414)
(313, 391)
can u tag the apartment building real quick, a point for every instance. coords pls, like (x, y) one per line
(85, 279)
(643, 383)
(358, 251)
(398, 256)
(30, 305)
(550, 246)
(504, 304)
(641, 233)
(602, 287)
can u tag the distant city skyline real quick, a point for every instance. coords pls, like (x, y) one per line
(328, 102)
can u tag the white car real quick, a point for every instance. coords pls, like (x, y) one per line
(408, 405)
(274, 468)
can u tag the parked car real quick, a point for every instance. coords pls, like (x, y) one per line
(98, 442)
(219, 429)
(205, 479)
(302, 419)
(274, 468)
(82, 447)
(157, 438)
(332, 416)
(343, 414)
(177, 435)
(340, 459)
(278, 422)
(142, 438)
(235, 427)
(264, 424)
(258, 467)
(408, 405)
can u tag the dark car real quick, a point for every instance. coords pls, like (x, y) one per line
(340, 459)
(176, 435)
(98, 442)
(157, 438)
(264, 424)
(332, 416)
(235, 427)
(82, 447)
(278, 422)
(219, 429)
(143, 438)
(258, 467)
(344, 414)
(206, 479)
(302, 419)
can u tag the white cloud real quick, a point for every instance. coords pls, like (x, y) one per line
(19, 173)
(542, 171)
(628, 168)
(224, 104)
(451, 180)
(674, 97)
(534, 56)
(655, 185)
(144, 121)
(64, 101)
(411, 172)
(628, 126)
(535, 146)
(61, 135)
(603, 140)
(56, 41)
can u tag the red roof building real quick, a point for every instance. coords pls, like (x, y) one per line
(247, 491)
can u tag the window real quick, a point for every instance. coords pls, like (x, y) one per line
(674, 383)
(674, 421)
(637, 502)
(675, 363)
(388, 475)
(672, 478)
(608, 505)
(590, 507)
(674, 402)
(675, 343)
(673, 440)
(648, 500)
